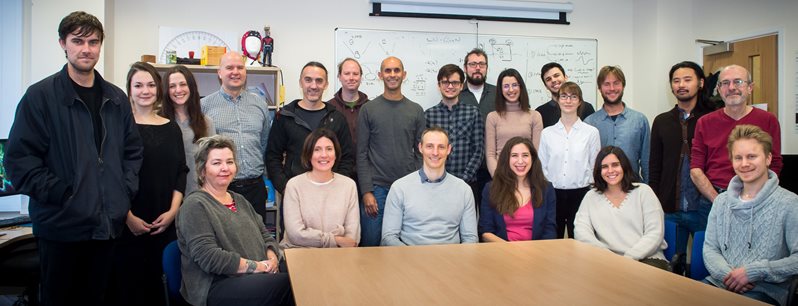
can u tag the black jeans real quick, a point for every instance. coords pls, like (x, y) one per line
(254, 190)
(568, 201)
(75, 273)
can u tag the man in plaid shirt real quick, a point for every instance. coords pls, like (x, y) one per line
(463, 123)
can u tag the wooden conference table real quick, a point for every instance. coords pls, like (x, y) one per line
(548, 272)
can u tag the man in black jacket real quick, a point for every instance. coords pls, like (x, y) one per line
(75, 150)
(296, 120)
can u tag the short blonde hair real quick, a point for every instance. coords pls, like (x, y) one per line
(747, 131)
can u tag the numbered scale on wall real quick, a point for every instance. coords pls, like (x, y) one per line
(182, 41)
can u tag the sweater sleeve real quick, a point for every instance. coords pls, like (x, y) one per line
(278, 141)
(296, 230)
(352, 222)
(364, 175)
(195, 226)
(716, 264)
(782, 269)
(392, 218)
(698, 151)
(777, 163)
(583, 225)
(468, 221)
(653, 225)
(491, 141)
(537, 127)
(655, 155)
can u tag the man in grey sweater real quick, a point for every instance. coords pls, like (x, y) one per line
(388, 129)
(751, 245)
(430, 206)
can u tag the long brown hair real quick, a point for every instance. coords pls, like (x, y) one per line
(523, 97)
(505, 182)
(195, 118)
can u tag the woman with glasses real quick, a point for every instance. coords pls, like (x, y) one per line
(512, 117)
(567, 152)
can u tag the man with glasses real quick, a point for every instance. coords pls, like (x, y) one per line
(553, 76)
(388, 129)
(620, 125)
(463, 123)
(710, 167)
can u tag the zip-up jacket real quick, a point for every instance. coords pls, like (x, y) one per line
(76, 192)
(287, 136)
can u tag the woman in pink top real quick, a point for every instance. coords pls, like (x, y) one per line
(519, 204)
(513, 117)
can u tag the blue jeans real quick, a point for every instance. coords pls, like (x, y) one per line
(371, 226)
(689, 222)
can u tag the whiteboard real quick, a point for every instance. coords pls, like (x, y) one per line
(423, 53)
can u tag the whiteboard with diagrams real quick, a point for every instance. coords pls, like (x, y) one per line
(423, 53)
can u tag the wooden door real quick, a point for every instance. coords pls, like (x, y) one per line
(759, 56)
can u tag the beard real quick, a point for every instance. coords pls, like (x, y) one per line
(612, 102)
(476, 81)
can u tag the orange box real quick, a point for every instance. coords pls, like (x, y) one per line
(211, 55)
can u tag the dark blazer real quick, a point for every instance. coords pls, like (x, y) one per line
(544, 225)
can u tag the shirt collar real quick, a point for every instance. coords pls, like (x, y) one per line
(229, 97)
(621, 114)
(425, 179)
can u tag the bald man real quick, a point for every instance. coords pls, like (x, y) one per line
(244, 117)
(388, 129)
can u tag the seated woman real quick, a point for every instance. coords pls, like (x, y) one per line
(519, 204)
(320, 207)
(228, 256)
(621, 215)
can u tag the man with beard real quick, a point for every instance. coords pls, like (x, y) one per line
(553, 76)
(710, 167)
(388, 129)
(619, 125)
(671, 140)
(349, 99)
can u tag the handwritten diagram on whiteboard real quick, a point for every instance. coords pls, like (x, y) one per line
(423, 53)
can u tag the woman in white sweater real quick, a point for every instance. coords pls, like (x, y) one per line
(320, 207)
(621, 215)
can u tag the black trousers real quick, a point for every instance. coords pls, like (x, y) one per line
(568, 201)
(75, 273)
(252, 289)
(254, 190)
(482, 178)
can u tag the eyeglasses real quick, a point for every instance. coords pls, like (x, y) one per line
(737, 83)
(571, 97)
(513, 85)
(450, 83)
(475, 64)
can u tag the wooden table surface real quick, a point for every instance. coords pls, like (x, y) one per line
(14, 233)
(548, 272)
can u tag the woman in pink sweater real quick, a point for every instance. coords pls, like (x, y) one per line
(513, 117)
(320, 207)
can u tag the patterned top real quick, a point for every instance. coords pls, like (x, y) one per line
(246, 120)
(466, 135)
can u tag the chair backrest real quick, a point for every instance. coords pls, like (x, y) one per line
(670, 239)
(697, 269)
(171, 269)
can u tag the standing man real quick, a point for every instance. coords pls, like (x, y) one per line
(671, 140)
(619, 125)
(430, 206)
(483, 95)
(349, 99)
(462, 122)
(297, 120)
(244, 117)
(710, 167)
(388, 129)
(553, 76)
(75, 150)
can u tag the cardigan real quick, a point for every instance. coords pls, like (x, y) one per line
(544, 225)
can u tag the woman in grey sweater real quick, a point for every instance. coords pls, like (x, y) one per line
(228, 256)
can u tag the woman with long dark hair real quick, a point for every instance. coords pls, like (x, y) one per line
(519, 204)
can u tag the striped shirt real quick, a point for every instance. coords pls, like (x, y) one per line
(466, 135)
(246, 120)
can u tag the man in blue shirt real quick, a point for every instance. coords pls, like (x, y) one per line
(620, 125)
(244, 117)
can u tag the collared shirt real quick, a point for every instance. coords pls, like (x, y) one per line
(630, 132)
(466, 135)
(246, 120)
(425, 179)
(568, 157)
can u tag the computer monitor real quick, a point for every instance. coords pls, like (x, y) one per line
(5, 184)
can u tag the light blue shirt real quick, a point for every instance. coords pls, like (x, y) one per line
(630, 132)
(246, 120)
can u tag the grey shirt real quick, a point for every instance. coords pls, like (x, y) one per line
(388, 133)
(191, 148)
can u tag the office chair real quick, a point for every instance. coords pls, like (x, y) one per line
(677, 262)
(697, 269)
(19, 267)
(172, 276)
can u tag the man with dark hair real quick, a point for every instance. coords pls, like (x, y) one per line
(669, 165)
(297, 120)
(388, 130)
(553, 76)
(75, 150)
(349, 99)
(463, 123)
(620, 125)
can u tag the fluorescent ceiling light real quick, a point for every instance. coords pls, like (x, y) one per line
(499, 10)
